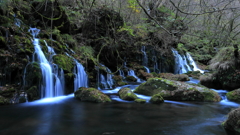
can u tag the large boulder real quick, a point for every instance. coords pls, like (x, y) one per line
(127, 94)
(154, 86)
(91, 95)
(179, 91)
(234, 95)
(176, 77)
(233, 122)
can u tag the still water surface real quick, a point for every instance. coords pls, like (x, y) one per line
(68, 116)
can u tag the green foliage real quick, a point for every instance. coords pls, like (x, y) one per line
(127, 28)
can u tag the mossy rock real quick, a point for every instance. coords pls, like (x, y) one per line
(142, 101)
(64, 62)
(176, 77)
(4, 101)
(194, 74)
(33, 74)
(127, 94)
(233, 122)
(91, 95)
(7, 91)
(176, 90)
(156, 99)
(234, 95)
(155, 85)
(131, 79)
(33, 93)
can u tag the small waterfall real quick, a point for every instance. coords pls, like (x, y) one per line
(107, 80)
(121, 73)
(154, 59)
(192, 62)
(147, 69)
(181, 65)
(51, 84)
(145, 58)
(132, 73)
(81, 77)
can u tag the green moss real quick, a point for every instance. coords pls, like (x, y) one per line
(64, 62)
(154, 86)
(91, 95)
(33, 93)
(140, 100)
(4, 101)
(157, 99)
(127, 94)
(234, 95)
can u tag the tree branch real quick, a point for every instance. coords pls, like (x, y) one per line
(145, 11)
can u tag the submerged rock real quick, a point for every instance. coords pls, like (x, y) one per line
(127, 94)
(175, 90)
(234, 95)
(233, 121)
(140, 100)
(91, 95)
(157, 99)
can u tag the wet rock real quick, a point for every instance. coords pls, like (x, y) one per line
(233, 122)
(234, 95)
(91, 95)
(179, 91)
(156, 99)
(177, 77)
(127, 94)
(140, 100)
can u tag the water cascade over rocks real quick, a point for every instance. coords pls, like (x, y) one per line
(105, 81)
(81, 77)
(184, 63)
(145, 59)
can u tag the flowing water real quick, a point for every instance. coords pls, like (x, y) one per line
(66, 115)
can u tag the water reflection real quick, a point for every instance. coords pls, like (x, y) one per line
(80, 118)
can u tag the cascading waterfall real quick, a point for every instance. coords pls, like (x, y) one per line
(192, 62)
(184, 63)
(81, 77)
(107, 82)
(51, 85)
(132, 73)
(145, 59)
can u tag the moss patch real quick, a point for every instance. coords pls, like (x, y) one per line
(64, 62)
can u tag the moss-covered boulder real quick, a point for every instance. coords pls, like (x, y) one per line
(138, 100)
(155, 85)
(234, 95)
(127, 94)
(33, 93)
(131, 79)
(176, 90)
(119, 80)
(194, 74)
(64, 62)
(176, 77)
(156, 99)
(91, 95)
(144, 75)
(233, 122)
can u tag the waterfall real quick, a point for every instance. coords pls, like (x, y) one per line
(132, 73)
(121, 73)
(81, 77)
(192, 62)
(181, 65)
(51, 85)
(145, 59)
(184, 63)
(107, 80)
